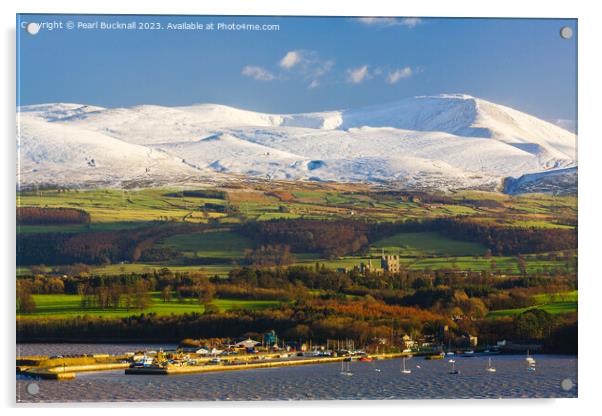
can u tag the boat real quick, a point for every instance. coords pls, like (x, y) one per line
(366, 359)
(345, 369)
(453, 369)
(469, 353)
(489, 368)
(144, 362)
(531, 363)
(529, 359)
(451, 360)
(405, 370)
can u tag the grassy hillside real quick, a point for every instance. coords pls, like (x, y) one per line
(557, 303)
(63, 306)
(425, 244)
(216, 244)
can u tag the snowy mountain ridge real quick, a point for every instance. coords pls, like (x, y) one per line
(449, 141)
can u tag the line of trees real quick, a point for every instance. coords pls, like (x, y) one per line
(270, 255)
(51, 216)
(102, 247)
(336, 238)
(332, 238)
(507, 241)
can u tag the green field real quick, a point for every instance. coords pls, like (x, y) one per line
(553, 308)
(425, 244)
(117, 269)
(216, 244)
(555, 304)
(77, 228)
(118, 206)
(504, 264)
(61, 306)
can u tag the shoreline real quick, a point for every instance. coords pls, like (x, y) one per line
(507, 351)
(67, 368)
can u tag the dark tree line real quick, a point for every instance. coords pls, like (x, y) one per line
(432, 198)
(507, 241)
(103, 247)
(558, 333)
(51, 216)
(199, 193)
(270, 255)
(332, 238)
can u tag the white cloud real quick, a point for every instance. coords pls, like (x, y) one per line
(306, 65)
(258, 73)
(357, 75)
(291, 59)
(409, 22)
(399, 74)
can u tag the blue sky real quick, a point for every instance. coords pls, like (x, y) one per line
(309, 64)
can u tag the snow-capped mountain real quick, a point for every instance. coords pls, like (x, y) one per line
(443, 142)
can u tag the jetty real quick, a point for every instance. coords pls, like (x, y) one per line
(67, 368)
(246, 364)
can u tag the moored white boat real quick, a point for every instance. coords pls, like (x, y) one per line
(404, 370)
(489, 368)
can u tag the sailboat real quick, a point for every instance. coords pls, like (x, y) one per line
(453, 369)
(345, 369)
(489, 367)
(405, 370)
(376, 369)
(530, 362)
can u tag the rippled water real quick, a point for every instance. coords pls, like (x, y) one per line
(312, 382)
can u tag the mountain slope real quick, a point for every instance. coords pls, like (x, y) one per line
(443, 142)
(66, 155)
